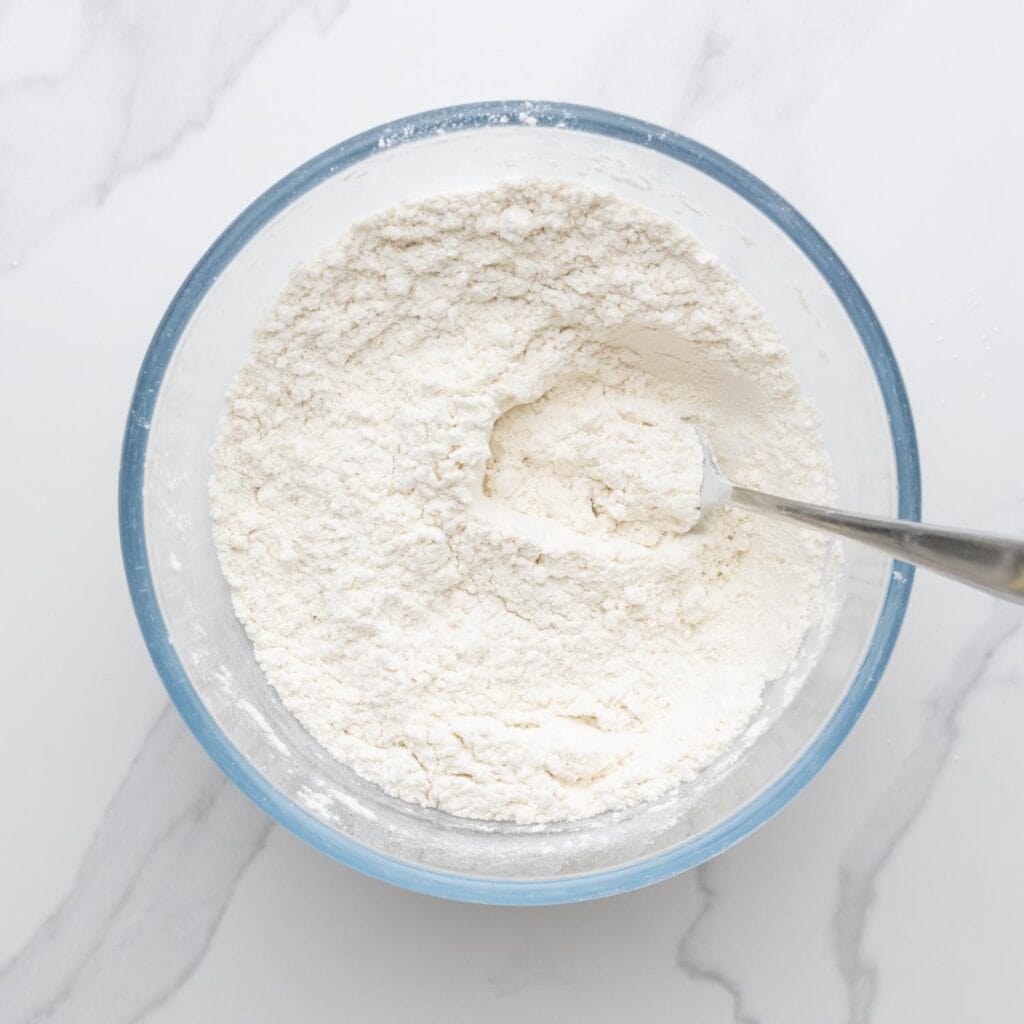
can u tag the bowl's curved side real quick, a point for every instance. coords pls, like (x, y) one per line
(154, 629)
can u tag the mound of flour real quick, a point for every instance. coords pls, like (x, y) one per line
(453, 491)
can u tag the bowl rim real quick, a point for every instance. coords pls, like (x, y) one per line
(464, 117)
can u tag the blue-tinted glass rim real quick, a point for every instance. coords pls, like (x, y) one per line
(140, 582)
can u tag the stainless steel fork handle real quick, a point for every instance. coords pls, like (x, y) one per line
(991, 563)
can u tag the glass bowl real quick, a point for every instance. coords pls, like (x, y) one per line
(840, 355)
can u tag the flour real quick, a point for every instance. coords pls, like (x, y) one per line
(453, 495)
(599, 460)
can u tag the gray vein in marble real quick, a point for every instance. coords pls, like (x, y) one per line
(894, 815)
(144, 77)
(691, 962)
(197, 119)
(701, 87)
(153, 886)
(740, 71)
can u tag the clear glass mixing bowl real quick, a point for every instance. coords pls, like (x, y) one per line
(841, 357)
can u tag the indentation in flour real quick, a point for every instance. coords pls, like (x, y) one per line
(599, 459)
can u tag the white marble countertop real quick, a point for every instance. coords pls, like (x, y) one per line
(139, 885)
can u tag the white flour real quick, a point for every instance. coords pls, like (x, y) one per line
(451, 491)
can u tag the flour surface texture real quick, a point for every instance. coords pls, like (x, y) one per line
(453, 494)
